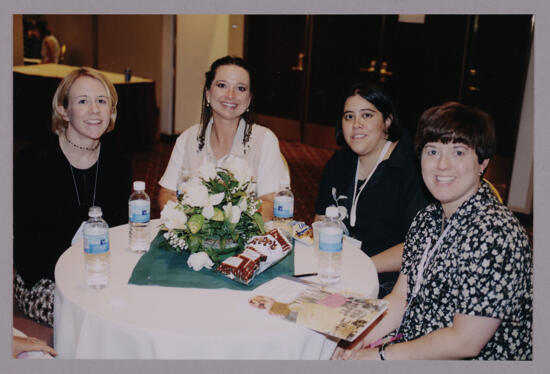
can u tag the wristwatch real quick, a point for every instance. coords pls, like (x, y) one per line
(382, 351)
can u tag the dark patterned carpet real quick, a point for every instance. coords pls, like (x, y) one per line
(305, 162)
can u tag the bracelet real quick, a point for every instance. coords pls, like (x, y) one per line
(382, 352)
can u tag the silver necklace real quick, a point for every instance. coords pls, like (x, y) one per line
(80, 147)
(95, 182)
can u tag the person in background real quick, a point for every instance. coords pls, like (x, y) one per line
(375, 177)
(465, 289)
(57, 179)
(50, 46)
(225, 131)
(32, 42)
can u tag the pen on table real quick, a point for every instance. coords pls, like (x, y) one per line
(304, 275)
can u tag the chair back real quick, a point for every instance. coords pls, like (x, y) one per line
(493, 189)
(62, 52)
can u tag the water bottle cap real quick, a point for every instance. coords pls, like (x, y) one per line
(139, 186)
(331, 212)
(95, 211)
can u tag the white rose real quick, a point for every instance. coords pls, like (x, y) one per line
(208, 211)
(242, 204)
(227, 210)
(199, 260)
(195, 195)
(207, 171)
(235, 214)
(216, 199)
(172, 217)
(239, 168)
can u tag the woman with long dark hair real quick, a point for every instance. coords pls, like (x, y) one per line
(374, 177)
(226, 130)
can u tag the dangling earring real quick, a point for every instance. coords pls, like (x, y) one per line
(247, 110)
(208, 104)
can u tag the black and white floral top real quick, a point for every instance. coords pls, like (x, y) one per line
(482, 268)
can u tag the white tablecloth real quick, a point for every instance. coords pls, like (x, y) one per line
(153, 322)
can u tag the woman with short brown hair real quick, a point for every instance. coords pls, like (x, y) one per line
(465, 289)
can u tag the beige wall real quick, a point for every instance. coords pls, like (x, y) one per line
(17, 39)
(76, 32)
(132, 41)
(145, 44)
(200, 40)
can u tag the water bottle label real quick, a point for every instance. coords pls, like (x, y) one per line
(283, 207)
(139, 211)
(96, 244)
(330, 240)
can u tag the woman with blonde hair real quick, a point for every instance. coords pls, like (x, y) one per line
(57, 179)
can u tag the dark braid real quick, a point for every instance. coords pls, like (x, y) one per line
(206, 111)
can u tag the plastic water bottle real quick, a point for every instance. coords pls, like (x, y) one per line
(330, 248)
(283, 207)
(139, 215)
(96, 249)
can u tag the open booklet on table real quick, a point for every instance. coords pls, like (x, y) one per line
(344, 315)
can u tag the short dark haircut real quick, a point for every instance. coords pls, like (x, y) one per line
(454, 122)
(206, 110)
(377, 96)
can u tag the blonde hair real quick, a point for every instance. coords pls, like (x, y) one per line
(61, 97)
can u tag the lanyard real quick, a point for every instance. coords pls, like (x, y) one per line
(356, 194)
(426, 256)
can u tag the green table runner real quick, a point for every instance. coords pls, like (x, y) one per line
(162, 267)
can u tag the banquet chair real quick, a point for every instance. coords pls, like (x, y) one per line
(493, 189)
(62, 53)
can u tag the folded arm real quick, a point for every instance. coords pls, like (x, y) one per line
(388, 260)
(464, 339)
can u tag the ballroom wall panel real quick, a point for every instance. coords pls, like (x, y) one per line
(17, 39)
(200, 39)
(132, 41)
(76, 31)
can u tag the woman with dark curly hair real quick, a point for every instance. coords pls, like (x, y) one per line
(225, 131)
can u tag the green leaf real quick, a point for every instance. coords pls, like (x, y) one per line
(259, 221)
(194, 243)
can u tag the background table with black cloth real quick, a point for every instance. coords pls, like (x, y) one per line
(33, 90)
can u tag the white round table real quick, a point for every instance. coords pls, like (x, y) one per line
(125, 321)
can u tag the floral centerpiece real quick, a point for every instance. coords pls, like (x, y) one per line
(216, 212)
